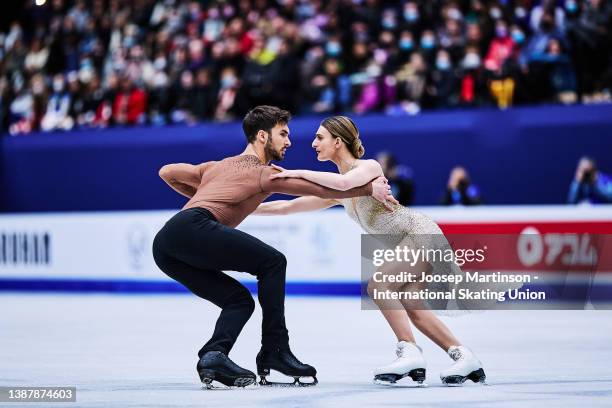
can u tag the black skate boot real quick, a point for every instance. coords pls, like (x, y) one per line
(216, 366)
(283, 361)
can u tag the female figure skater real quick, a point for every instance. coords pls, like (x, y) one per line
(337, 139)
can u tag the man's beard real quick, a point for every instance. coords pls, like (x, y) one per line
(270, 152)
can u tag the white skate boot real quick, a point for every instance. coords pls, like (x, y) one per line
(409, 363)
(466, 366)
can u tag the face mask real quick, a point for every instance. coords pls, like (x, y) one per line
(406, 44)
(194, 13)
(228, 11)
(58, 85)
(213, 14)
(38, 88)
(442, 64)
(427, 43)
(128, 42)
(571, 6)
(389, 23)
(501, 32)
(160, 80)
(160, 63)
(362, 36)
(495, 13)
(471, 60)
(86, 63)
(518, 36)
(455, 14)
(520, 12)
(228, 81)
(333, 49)
(380, 57)
(411, 15)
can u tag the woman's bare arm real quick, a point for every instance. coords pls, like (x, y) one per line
(300, 204)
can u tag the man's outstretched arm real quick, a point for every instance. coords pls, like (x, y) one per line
(301, 187)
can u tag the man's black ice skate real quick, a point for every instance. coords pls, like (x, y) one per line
(283, 361)
(216, 366)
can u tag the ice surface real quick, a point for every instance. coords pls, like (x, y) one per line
(140, 351)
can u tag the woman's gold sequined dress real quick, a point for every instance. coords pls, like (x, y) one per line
(406, 227)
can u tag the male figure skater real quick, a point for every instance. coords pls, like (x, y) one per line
(201, 241)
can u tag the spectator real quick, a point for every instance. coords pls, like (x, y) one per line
(21, 113)
(589, 34)
(444, 81)
(460, 190)
(590, 185)
(91, 113)
(130, 103)
(501, 47)
(204, 96)
(228, 104)
(57, 115)
(472, 88)
(561, 73)
(411, 83)
(399, 177)
(36, 59)
(184, 99)
(331, 88)
(547, 6)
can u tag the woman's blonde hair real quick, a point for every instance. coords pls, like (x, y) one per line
(344, 128)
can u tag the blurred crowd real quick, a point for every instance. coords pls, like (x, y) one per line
(98, 63)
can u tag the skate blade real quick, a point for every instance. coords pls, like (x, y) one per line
(477, 376)
(296, 381)
(239, 383)
(417, 376)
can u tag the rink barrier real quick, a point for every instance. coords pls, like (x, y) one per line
(572, 292)
(110, 252)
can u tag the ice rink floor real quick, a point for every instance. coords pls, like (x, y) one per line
(140, 351)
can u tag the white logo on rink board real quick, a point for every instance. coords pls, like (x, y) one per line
(137, 246)
(569, 249)
(25, 248)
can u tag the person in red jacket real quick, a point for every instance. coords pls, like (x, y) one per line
(501, 48)
(130, 104)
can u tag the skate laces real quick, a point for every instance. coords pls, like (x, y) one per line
(402, 348)
(455, 353)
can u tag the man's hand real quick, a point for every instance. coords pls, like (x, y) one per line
(381, 191)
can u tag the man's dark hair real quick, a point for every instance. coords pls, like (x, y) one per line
(263, 117)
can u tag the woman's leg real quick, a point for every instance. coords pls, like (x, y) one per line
(424, 319)
(431, 326)
(400, 324)
(399, 314)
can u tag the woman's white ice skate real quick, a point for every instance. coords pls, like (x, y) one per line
(466, 366)
(409, 363)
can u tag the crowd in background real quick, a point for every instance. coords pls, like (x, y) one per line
(98, 63)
